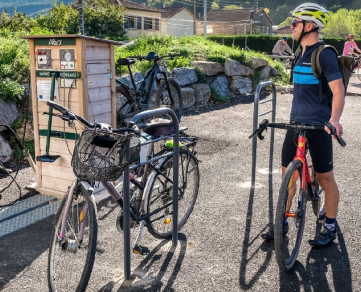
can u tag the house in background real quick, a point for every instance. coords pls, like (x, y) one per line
(177, 21)
(238, 21)
(140, 19)
(285, 30)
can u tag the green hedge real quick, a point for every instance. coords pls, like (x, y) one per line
(265, 42)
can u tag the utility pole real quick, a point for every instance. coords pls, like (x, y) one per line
(194, 18)
(205, 19)
(81, 17)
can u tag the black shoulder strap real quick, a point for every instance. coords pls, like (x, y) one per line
(316, 65)
(297, 53)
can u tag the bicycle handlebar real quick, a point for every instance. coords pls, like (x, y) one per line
(265, 124)
(155, 57)
(67, 115)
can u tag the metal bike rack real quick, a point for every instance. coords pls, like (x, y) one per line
(255, 125)
(126, 185)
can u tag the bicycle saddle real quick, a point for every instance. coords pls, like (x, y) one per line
(159, 127)
(125, 61)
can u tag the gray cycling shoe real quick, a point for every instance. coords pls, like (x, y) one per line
(323, 238)
(270, 235)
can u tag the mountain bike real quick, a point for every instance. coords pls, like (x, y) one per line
(99, 156)
(291, 206)
(142, 95)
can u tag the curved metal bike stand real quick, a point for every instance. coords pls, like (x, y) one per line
(126, 197)
(255, 125)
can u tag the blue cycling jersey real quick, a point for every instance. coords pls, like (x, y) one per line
(307, 105)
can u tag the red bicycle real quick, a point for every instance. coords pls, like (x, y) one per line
(291, 206)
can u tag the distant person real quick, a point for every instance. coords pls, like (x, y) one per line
(281, 46)
(349, 50)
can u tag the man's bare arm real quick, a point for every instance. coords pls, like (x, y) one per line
(338, 103)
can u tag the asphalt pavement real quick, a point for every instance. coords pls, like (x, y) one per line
(220, 247)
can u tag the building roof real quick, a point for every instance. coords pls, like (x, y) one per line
(284, 30)
(234, 15)
(131, 5)
(171, 11)
(228, 15)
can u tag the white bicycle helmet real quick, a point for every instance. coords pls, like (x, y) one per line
(312, 12)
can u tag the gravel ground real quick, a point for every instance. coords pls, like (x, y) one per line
(220, 248)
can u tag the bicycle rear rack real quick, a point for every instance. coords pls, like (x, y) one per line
(255, 125)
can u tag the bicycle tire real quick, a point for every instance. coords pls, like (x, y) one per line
(176, 100)
(284, 258)
(162, 189)
(359, 73)
(60, 276)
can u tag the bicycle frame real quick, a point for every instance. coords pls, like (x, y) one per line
(142, 186)
(301, 156)
(148, 82)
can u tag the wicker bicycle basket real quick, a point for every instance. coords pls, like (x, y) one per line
(100, 156)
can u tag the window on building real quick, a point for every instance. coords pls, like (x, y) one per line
(139, 22)
(148, 23)
(129, 22)
(156, 24)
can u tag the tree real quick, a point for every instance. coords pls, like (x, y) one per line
(344, 22)
(17, 22)
(286, 22)
(215, 5)
(232, 7)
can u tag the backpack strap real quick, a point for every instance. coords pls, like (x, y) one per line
(297, 53)
(316, 65)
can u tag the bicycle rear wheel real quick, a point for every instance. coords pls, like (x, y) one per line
(71, 258)
(287, 244)
(161, 194)
(173, 101)
(318, 206)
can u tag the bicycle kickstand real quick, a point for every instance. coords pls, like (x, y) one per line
(138, 249)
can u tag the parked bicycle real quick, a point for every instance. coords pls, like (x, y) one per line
(292, 206)
(4, 171)
(142, 95)
(99, 156)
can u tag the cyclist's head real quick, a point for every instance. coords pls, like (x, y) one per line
(284, 38)
(311, 12)
(350, 37)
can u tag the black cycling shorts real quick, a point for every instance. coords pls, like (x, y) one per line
(320, 147)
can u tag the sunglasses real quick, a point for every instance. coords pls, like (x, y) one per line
(294, 22)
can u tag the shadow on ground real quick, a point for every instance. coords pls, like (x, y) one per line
(315, 276)
(142, 280)
(20, 249)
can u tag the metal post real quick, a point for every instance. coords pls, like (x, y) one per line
(194, 18)
(205, 19)
(255, 125)
(175, 179)
(52, 90)
(126, 215)
(81, 17)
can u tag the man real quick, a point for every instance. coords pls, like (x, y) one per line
(308, 108)
(281, 46)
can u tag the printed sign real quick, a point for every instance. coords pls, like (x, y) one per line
(43, 88)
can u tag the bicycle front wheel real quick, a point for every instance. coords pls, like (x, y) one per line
(71, 255)
(174, 101)
(290, 217)
(161, 194)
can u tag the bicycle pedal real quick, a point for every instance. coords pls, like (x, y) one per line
(142, 250)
